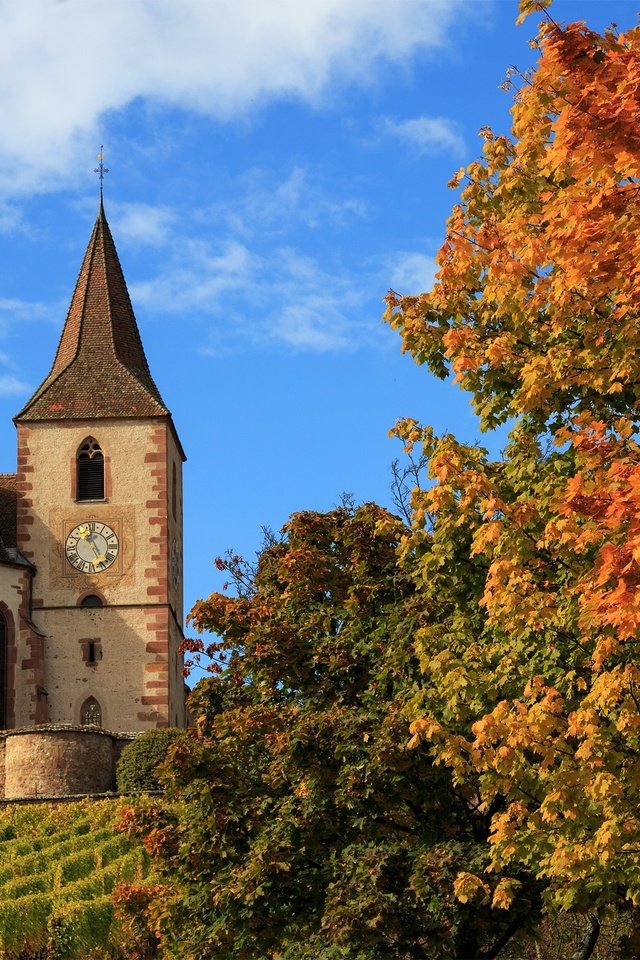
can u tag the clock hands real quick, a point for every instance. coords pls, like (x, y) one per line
(99, 557)
(92, 546)
(85, 533)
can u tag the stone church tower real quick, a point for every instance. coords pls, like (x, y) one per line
(91, 528)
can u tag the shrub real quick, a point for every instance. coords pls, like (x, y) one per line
(137, 766)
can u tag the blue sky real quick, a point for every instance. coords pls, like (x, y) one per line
(275, 166)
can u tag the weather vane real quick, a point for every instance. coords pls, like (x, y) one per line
(101, 169)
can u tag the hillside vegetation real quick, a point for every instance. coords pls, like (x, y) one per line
(58, 869)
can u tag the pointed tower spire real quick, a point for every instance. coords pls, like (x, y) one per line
(100, 369)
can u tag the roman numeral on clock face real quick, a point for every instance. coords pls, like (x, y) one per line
(91, 547)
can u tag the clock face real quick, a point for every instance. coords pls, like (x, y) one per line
(91, 547)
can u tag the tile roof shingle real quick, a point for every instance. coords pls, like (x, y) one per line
(8, 520)
(100, 369)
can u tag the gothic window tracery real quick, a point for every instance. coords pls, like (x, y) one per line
(91, 714)
(90, 464)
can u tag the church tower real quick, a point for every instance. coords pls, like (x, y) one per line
(98, 525)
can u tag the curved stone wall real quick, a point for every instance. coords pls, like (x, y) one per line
(58, 761)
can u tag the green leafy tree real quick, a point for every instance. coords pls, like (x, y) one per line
(137, 767)
(307, 829)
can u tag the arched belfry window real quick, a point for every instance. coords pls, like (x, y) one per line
(3, 672)
(90, 471)
(91, 714)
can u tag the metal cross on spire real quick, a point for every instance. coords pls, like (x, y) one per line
(101, 169)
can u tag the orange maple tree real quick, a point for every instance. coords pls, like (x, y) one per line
(530, 564)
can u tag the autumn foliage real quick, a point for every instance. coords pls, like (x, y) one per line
(305, 821)
(306, 828)
(530, 564)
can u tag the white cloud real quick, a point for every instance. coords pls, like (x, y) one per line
(12, 219)
(141, 223)
(197, 280)
(300, 197)
(12, 308)
(311, 325)
(241, 295)
(63, 65)
(316, 309)
(411, 272)
(11, 386)
(427, 134)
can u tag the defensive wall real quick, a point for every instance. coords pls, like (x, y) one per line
(59, 760)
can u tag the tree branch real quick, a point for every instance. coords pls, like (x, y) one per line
(586, 949)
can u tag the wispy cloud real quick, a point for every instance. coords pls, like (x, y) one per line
(12, 218)
(12, 309)
(141, 223)
(197, 278)
(11, 386)
(411, 272)
(427, 134)
(241, 295)
(217, 58)
(15, 317)
(263, 202)
(318, 311)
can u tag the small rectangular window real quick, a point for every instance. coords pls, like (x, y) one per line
(91, 652)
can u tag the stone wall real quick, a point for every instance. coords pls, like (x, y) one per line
(57, 760)
(137, 676)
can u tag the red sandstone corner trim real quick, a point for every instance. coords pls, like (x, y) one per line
(108, 483)
(157, 574)
(24, 519)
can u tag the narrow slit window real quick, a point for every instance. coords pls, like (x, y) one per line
(90, 471)
(91, 651)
